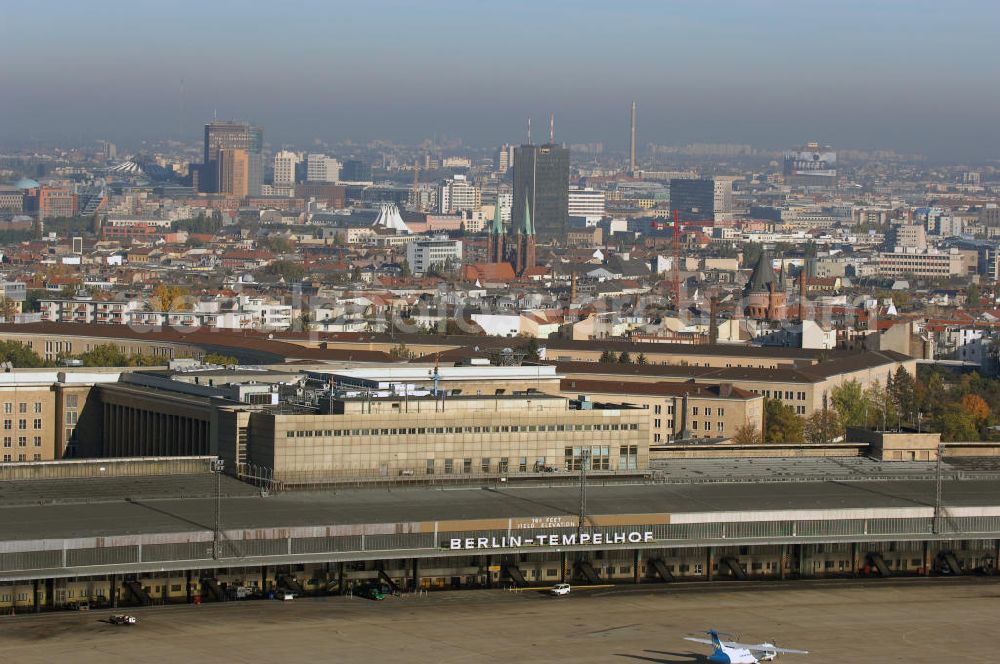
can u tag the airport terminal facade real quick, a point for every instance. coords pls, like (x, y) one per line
(137, 552)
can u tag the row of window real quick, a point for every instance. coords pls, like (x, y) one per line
(22, 407)
(22, 441)
(7, 458)
(22, 424)
(721, 412)
(787, 395)
(600, 459)
(416, 431)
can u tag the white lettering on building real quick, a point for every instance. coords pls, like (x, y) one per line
(566, 539)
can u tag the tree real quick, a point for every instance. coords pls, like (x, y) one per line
(531, 350)
(19, 355)
(976, 407)
(216, 358)
(168, 298)
(290, 271)
(822, 426)
(624, 358)
(747, 434)
(781, 424)
(904, 393)
(956, 426)
(641, 360)
(849, 402)
(973, 295)
(607, 357)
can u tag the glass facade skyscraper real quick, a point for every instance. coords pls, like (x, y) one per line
(541, 179)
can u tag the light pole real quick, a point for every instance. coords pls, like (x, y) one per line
(584, 460)
(217, 467)
(936, 526)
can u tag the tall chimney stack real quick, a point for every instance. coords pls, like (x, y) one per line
(631, 144)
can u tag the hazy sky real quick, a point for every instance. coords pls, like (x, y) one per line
(910, 75)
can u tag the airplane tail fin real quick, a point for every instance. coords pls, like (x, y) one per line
(715, 639)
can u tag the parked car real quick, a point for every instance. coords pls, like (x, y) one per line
(286, 597)
(560, 589)
(371, 591)
(122, 619)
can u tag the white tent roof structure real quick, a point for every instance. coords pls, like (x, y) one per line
(389, 219)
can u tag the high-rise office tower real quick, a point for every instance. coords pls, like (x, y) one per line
(694, 199)
(233, 168)
(505, 158)
(321, 168)
(541, 183)
(631, 144)
(458, 194)
(227, 134)
(355, 170)
(284, 168)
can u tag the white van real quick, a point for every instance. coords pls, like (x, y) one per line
(560, 589)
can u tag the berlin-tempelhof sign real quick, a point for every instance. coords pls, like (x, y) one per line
(568, 539)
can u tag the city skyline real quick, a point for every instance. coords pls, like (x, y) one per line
(772, 75)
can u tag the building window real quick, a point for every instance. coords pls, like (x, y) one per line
(694, 411)
(657, 409)
(504, 465)
(22, 407)
(7, 441)
(484, 465)
(22, 441)
(22, 424)
(719, 426)
(449, 466)
(37, 424)
(37, 441)
(8, 408)
(708, 426)
(6, 458)
(708, 412)
(466, 466)
(36, 457)
(721, 412)
(430, 466)
(38, 406)
(656, 424)
(656, 437)
(8, 424)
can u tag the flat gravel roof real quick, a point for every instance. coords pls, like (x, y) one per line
(172, 508)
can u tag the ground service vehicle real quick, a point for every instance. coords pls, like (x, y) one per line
(371, 591)
(122, 619)
(560, 589)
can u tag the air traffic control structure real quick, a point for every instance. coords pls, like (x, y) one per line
(194, 535)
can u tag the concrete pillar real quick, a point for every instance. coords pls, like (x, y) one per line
(927, 558)
(416, 573)
(709, 555)
(562, 567)
(263, 578)
(187, 585)
(50, 593)
(341, 587)
(36, 599)
(855, 561)
(489, 574)
(782, 557)
(113, 591)
(801, 559)
(635, 567)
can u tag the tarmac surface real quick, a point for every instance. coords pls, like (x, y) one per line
(914, 621)
(132, 513)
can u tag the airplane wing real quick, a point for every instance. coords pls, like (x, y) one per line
(767, 647)
(707, 642)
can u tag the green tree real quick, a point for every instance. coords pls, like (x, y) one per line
(531, 350)
(904, 394)
(822, 426)
(607, 357)
(955, 425)
(641, 360)
(624, 358)
(20, 356)
(781, 424)
(973, 295)
(848, 400)
(290, 271)
(217, 358)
